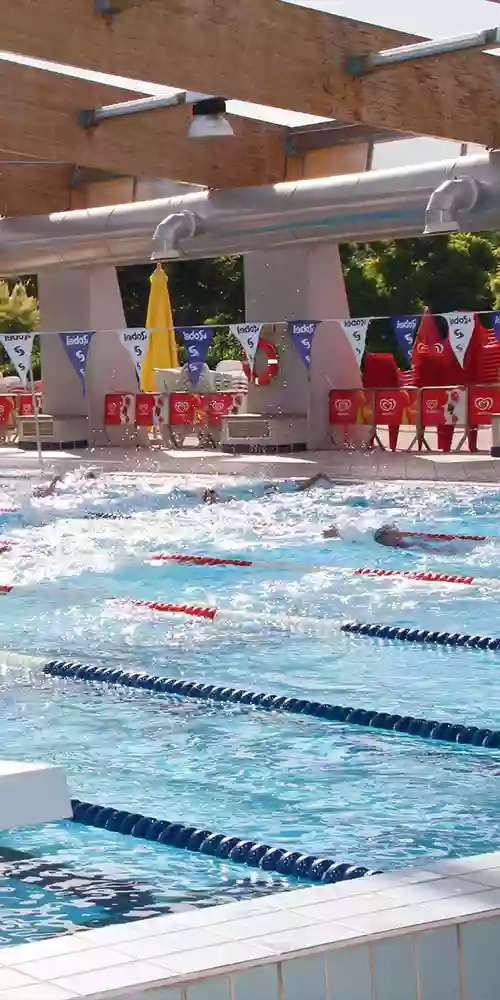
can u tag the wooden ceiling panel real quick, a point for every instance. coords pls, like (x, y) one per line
(38, 117)
(267, 52)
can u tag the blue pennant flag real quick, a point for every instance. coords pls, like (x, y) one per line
(405, 329)
(77, 347)
(495, 323)
(197, 340)
(302, 333)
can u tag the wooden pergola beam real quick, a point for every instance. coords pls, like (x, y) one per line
(33, 188)
(38, 117)
(268, 52)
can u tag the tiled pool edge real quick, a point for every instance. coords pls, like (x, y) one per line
(428, 933)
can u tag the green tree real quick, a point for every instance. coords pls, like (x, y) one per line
(446, 272)
(202, 291)
(18, 314)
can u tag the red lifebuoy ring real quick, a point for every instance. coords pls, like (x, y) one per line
(272, 364)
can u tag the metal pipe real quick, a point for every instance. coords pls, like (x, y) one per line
(451, 198)
(92, 116)
(360, 65)
(377, 205)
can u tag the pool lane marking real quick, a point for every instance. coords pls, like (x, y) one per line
(307, 867)
(428, 729)
(424, 576)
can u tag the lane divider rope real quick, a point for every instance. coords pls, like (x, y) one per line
(426, 576)
(429, 729)
(307, 867)
(407, 634)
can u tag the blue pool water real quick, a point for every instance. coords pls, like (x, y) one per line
(382, 800)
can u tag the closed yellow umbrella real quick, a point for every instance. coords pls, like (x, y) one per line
(162, 349)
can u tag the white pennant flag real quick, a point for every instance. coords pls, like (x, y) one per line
(248, 336)
(136, 342)
(461, 328)
(355, 331)
(19, 347)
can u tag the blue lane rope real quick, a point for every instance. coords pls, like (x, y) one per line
(421, 635)
(372, 718)
(307, 867)
(98, 516)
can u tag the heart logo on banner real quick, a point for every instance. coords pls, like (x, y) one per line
(247, 334)
(460, 330)
(19, 347)
(136, 341)
(355, 331)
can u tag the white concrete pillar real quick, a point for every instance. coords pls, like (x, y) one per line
(83, 299)
(305, 283)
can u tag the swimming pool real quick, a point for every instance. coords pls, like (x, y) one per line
(381, 799)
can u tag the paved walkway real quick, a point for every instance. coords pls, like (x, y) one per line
(349, 464)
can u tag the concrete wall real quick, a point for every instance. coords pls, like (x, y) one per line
(85, 299)
(302, 283)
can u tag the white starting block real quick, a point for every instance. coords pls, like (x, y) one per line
(32, 794)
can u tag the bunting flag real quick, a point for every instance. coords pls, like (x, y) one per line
(197, 340)
(77, 347)
(495, 321)
(136, 343)
(19, 347)
(355, 331)
(247, 334)
(302, 333)
(461, 328)
(405, 330)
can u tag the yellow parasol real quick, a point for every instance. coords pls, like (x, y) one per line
(162, 349)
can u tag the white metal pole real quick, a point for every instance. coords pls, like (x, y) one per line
(37, 422)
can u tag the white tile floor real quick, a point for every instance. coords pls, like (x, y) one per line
(333, 942)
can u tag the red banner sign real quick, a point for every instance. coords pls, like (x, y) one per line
(184, 408)
(444, 407)
(150, 409)
(7, 407)
(351, 406)
(119, 408)
(482, 403)
(220, 405)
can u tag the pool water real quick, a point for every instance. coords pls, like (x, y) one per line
(379, 799)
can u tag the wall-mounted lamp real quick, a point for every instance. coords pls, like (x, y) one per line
(209, 113)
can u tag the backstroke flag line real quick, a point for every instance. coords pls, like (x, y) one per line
(136, 343)
(461, 328)
(19, 347)
(355, 331)
(247, 334)
(197, 340)
(405, 330)
(77, 347)
(302, 334)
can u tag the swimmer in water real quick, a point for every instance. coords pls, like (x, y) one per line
(390, 536)
(50, 489)
(314, 481)
(210, 496)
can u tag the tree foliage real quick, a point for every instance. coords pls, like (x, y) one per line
(18, 314)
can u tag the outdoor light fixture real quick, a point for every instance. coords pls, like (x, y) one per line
(209, 121)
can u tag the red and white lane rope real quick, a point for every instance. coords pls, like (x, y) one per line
(424, 576)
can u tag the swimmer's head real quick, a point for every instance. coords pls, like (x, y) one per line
(210, 496)
(90, 474)
(385, 531)
(331, 532)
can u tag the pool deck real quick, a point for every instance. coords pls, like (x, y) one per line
(346, 465)
(426, 933)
